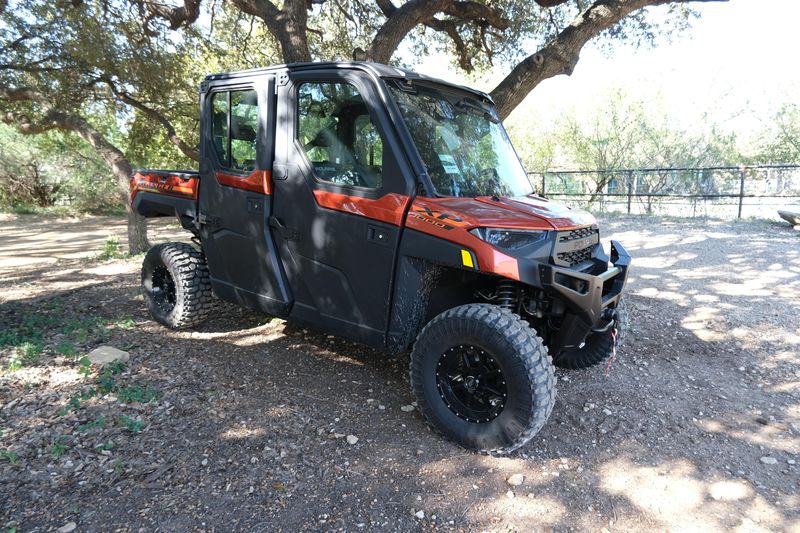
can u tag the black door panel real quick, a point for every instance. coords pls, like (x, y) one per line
(339, 264)
(234, 207)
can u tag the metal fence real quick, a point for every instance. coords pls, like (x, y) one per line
(716, 192)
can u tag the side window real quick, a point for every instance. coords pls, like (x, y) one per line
(338, 135)
(234, 128)
(219, 127)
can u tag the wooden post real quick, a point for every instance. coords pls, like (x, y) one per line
(630, 189)
(741, 190)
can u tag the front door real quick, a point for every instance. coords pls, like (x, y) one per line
(341, 196)
(236, 194)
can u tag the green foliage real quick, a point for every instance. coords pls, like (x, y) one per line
(73, 404)
(624, 133)
(24, 330)
(126, 322)
(29, 353)
(38, 172)
(87, 394)
(59, 447)
(105, 381)
(136, 394)
(99, 423)
(779, 141)
(67, 348)
(111, 249)
(14, 363)
(131, 424)
(9, 456)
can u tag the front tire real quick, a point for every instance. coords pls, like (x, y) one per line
(483, 378)
(176, 285)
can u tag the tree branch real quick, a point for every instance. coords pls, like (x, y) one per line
(450, 27)
(560, 54)
(399, 22)
(188, 151)
(21, 94)
(176, 16)
(474, 11)
(288, 25)
(551, 3)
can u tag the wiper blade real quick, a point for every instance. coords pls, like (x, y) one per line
(468, 104)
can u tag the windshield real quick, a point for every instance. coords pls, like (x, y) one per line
(462, 143)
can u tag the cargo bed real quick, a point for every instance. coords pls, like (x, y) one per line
(163, 193)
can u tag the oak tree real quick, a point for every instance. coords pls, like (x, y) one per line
(538, 39)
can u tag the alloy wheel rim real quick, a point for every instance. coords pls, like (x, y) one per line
(471, 383)
(164, 291)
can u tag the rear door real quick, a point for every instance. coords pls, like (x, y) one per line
(236, 193)
(341, 190)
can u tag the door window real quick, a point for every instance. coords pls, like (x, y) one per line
(234, 128)
(338, 135)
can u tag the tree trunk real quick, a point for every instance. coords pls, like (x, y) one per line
(288, 25)
(121, 167)
(137, 232)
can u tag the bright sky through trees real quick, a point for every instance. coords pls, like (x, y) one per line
(737, 65)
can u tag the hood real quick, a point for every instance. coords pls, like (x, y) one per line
(526, 212)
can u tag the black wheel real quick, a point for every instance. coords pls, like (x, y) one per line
(483, 378)
(176, 285)
(597, 347)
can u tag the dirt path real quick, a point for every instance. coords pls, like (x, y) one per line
(697, 426)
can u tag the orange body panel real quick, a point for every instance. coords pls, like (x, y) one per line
(388, 208)
(161, 184)
(259, 181)
(452, 218)
(426, 215)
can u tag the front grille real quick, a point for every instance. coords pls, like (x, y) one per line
(569, 253)
(579, 233)
(577, 257)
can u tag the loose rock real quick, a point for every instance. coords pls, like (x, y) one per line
(102, 355)
(516, 480)
(352, 439)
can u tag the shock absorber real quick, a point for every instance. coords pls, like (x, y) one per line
(507, 295)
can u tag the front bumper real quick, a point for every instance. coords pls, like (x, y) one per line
(591, 299)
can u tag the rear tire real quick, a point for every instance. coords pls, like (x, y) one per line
(176, 285)
(483, 378)
(598, 347)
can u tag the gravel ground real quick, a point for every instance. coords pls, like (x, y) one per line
(253, 424)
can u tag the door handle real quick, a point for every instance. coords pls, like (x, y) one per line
(377, 235)
(287, 233)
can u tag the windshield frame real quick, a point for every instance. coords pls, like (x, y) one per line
(453, 94)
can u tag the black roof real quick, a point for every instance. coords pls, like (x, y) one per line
(377, 69)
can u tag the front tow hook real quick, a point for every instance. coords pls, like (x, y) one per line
(610, 316)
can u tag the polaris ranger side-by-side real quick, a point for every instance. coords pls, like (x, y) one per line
(391, 209)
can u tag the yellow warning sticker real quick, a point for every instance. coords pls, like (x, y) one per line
(466, 259)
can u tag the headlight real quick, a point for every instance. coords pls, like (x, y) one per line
(509, 239)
